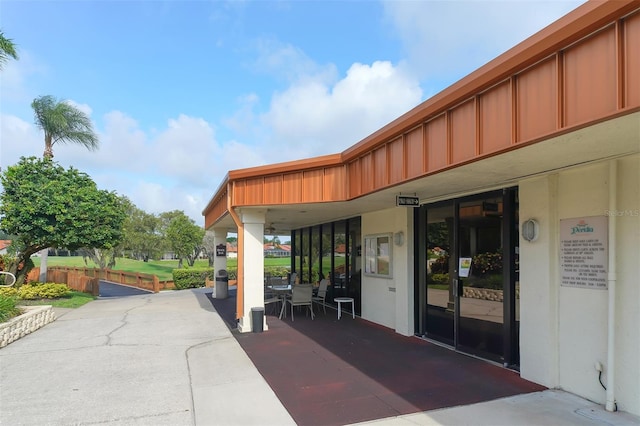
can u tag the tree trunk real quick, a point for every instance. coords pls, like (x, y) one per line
(48, 147)
(44, 256)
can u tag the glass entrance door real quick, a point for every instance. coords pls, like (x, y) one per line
(480, 295)
(440, 277)
(469, 287)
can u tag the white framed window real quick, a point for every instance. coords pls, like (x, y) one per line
(378, 255)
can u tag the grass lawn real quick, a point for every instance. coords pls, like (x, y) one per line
(162, 268)
(75, 299)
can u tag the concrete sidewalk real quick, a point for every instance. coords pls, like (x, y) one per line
(156, 359)
(547, 408)
(169, 359)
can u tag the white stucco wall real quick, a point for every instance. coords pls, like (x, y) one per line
(563, 330)
(253, 267)
(389, 301)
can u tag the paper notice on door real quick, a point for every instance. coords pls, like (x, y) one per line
(464, 267)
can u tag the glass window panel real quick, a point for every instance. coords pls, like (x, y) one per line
(326, 251)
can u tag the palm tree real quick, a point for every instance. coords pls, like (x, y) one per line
(61, 122)
(64, 123)
(7, 50)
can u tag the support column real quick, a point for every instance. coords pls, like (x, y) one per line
(253, 256)
(220, 238)
(219, 262)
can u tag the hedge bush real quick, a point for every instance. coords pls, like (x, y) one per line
(191, 278)
(8, 308)
(9, 292)
(487, 263)
(440, 265)
(276, 271)
(43, 291)
(438, 279)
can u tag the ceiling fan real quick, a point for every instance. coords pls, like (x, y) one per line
(269, 230)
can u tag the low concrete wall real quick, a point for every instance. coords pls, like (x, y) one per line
(32, 319)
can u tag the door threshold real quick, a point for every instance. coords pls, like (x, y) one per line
(515, 368)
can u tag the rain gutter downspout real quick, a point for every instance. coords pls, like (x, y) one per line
(612, 278)
(240, 272)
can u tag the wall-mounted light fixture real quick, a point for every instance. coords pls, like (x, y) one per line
(530, 230)
(398, 238)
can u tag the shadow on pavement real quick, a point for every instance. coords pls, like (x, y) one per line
(334, 372)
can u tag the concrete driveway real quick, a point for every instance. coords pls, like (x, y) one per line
(154, 359)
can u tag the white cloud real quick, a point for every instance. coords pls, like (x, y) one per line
(185, 150)
(285, 60)
(315, 118)
(446, 40)
(82, 107)
(18, 138)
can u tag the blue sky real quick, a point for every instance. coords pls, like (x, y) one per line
(180, 92)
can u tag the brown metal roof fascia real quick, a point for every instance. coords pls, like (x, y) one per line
(289, 166)
(240, 270)
(574, 26)
(216, 195)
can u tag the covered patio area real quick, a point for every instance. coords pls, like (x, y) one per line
(336, 372)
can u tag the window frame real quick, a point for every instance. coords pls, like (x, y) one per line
(374, 252)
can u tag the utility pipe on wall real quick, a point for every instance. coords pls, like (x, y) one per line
(612, 278)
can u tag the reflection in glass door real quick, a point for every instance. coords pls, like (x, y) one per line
(440, 274)
(480, 242)
(467, 274)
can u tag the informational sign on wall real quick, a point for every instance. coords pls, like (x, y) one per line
(221, 250)
(584, 252)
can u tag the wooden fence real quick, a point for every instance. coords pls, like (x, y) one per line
(88, 279)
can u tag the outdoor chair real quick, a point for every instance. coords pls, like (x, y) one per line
(322, 294)
(272, 300)
(292, 278)
(301, 296)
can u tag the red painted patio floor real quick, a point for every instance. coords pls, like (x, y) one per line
(334, 372)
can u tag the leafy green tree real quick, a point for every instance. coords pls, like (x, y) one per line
(62, 122)
(143, 237)
(44, 205)
(209, 247)
(7, 50)
(105, 258)
(184, 237)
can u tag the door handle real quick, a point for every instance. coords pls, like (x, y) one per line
(455, 287)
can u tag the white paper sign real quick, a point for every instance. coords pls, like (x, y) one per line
(464, 267)
(584, 252)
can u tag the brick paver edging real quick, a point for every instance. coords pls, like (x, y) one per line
(32, 319)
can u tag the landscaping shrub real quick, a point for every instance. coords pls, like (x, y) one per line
(9, 292)
(232, 273)
(8, 308)
(440, 265)
(191, 278)
(276, 271)
(487, 263)
(42, 291)
(438, 279)
(493, 281)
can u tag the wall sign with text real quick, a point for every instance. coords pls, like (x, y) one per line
(584, 252)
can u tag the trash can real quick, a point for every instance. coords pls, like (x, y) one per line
(257, 319)
(222, 284)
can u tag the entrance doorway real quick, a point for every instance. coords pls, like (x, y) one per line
(467, 274)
